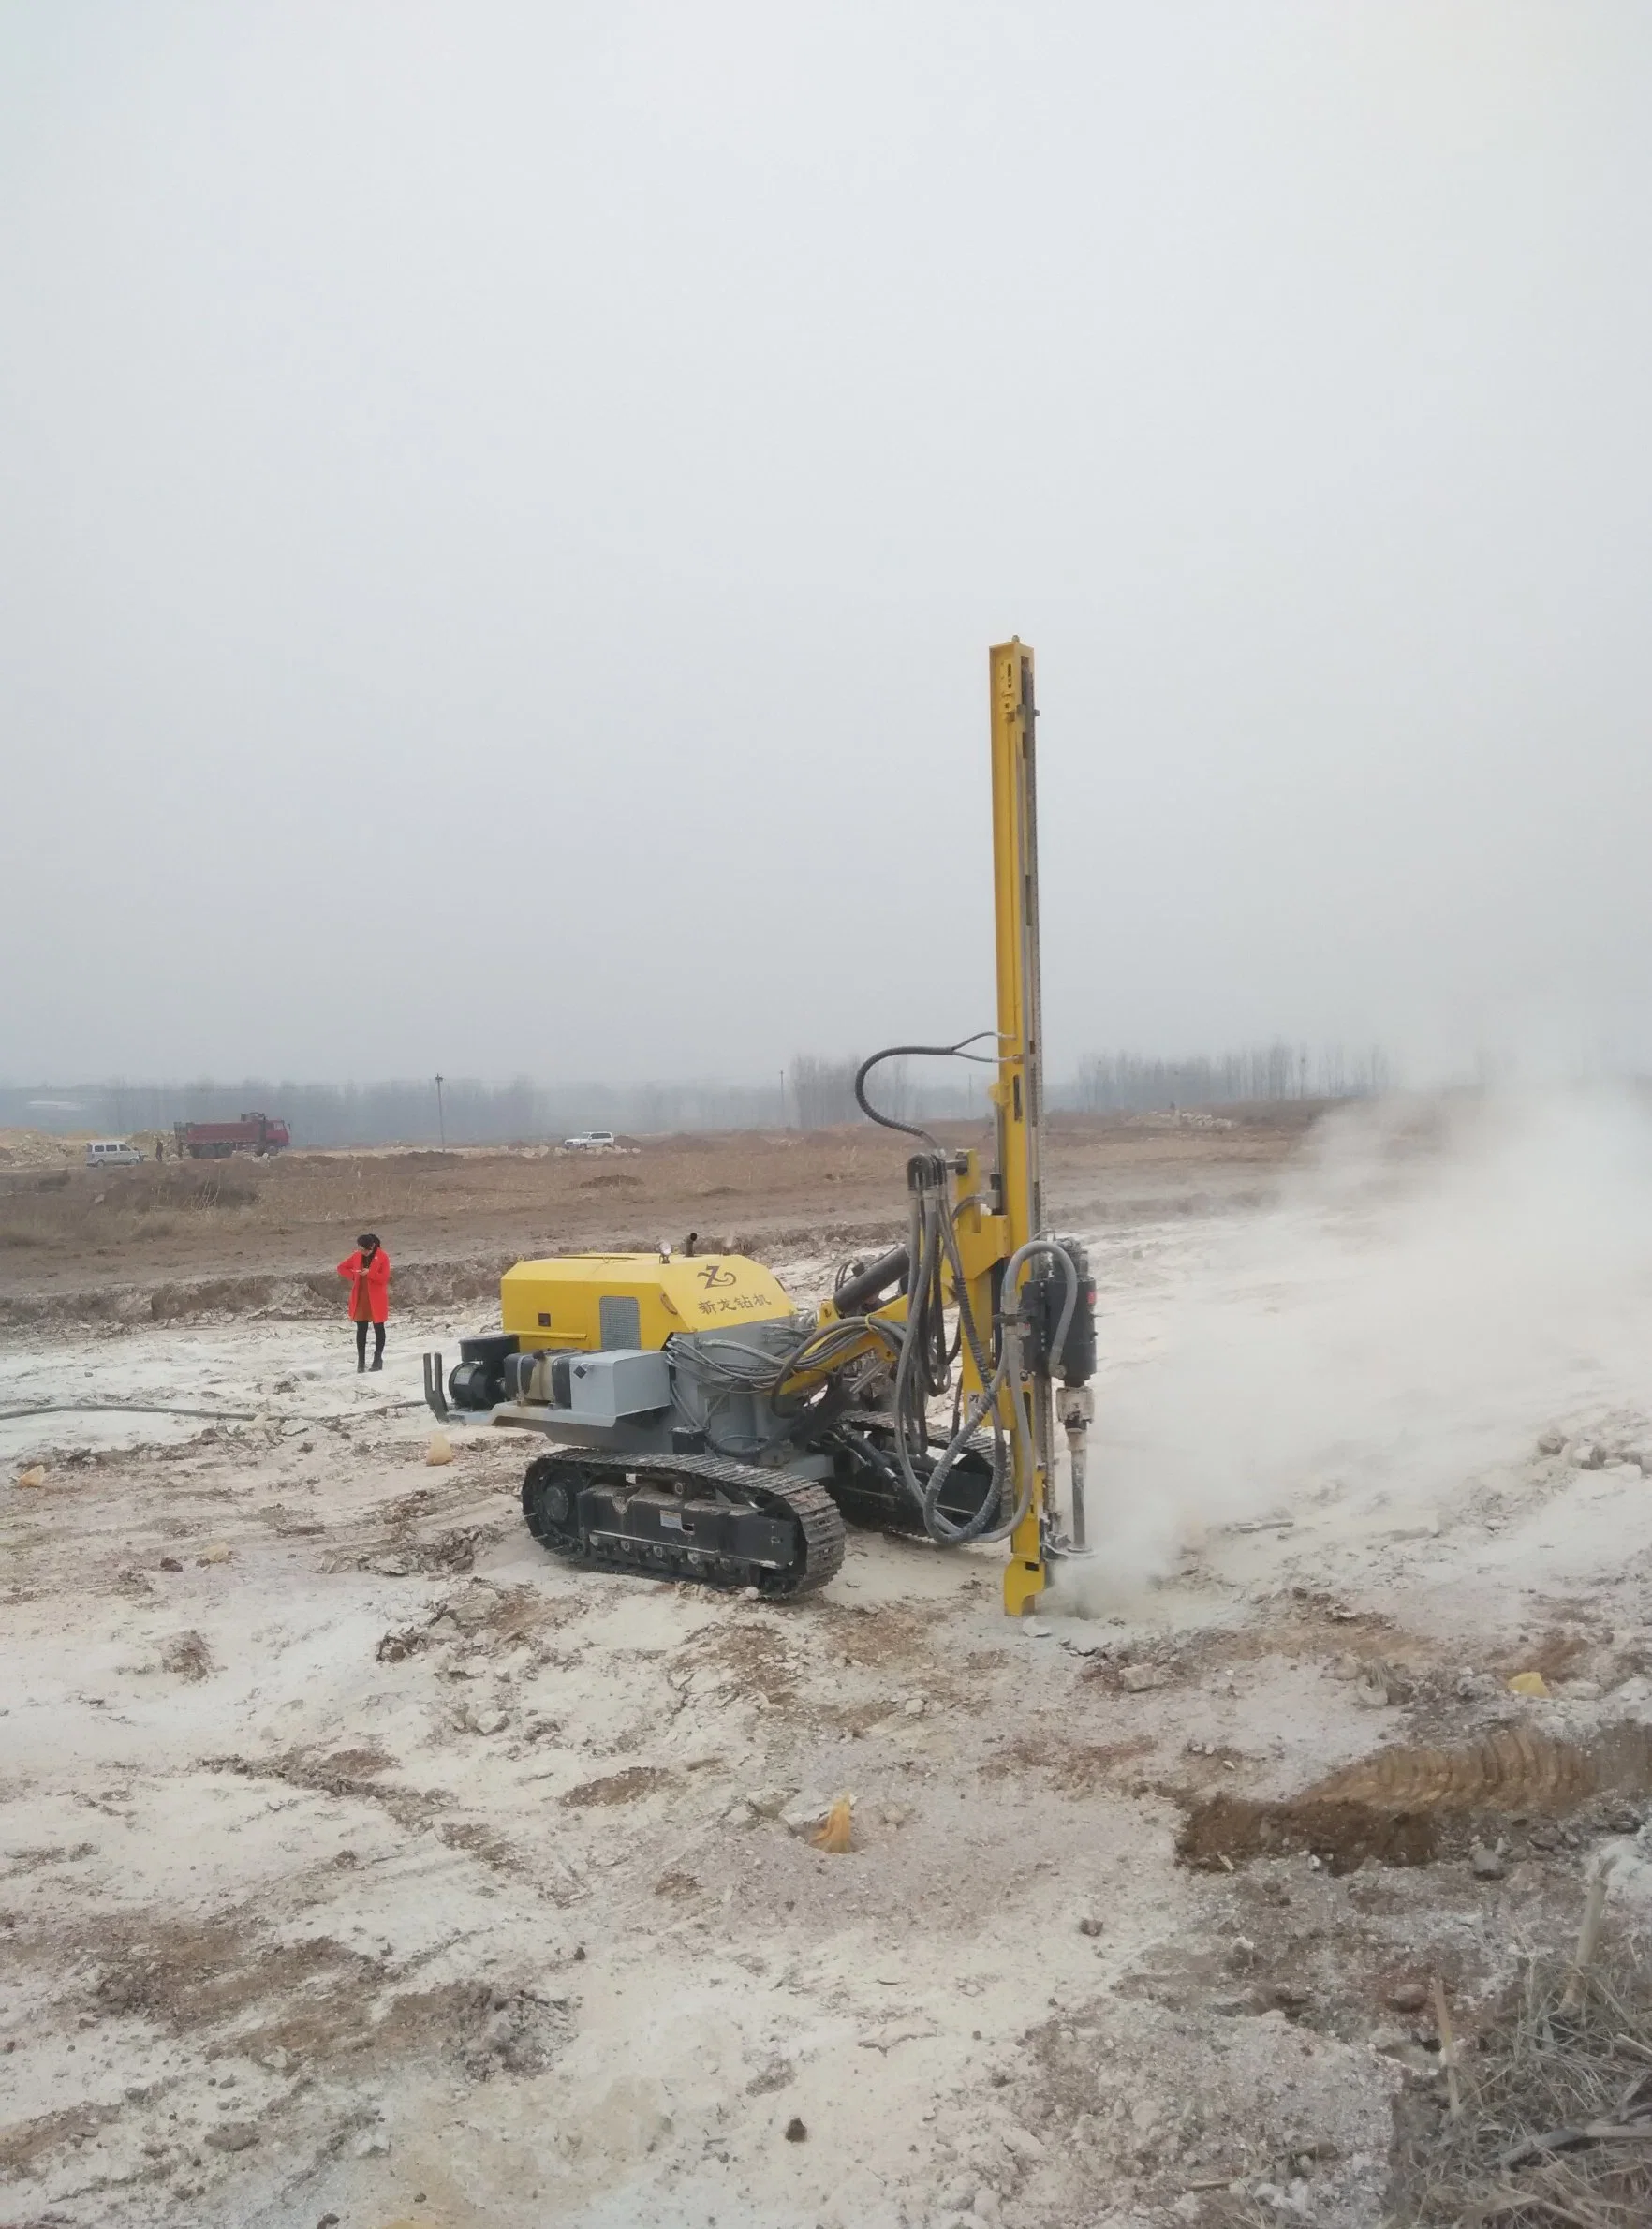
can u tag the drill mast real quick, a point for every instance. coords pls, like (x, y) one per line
(1018, 1094)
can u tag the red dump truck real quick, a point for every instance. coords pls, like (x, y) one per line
(217, 1141)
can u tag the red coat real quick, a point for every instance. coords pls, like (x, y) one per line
(369, 1287)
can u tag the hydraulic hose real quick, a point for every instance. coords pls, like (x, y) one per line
(726, 1365)
(871, 1280)
(1009, 1372)
(222, 1416)
(958, 1051)
(924, 1355)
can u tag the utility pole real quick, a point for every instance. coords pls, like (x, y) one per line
(441, 1118)
(784, 1124)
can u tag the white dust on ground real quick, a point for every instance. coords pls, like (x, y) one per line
(296, 1896)
(302, 1373)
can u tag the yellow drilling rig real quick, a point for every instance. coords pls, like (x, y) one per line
(702, 1427)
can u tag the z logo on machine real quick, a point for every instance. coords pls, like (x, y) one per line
(712, 1275)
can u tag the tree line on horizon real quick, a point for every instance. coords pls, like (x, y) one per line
(1125, 1082)
(815, 1093)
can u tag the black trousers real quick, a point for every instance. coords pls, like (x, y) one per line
(361, 1331)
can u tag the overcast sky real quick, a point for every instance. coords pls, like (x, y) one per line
(502, 510)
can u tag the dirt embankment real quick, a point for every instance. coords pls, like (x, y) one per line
(155, 1243)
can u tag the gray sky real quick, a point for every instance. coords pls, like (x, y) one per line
(502, 510)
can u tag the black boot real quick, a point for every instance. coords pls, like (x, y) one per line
(360, 1364)
(378, 1362)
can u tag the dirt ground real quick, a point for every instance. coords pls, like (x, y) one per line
(361, 1865)
(170, 1239)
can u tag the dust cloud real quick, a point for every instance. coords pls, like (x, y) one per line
(1438, 1284)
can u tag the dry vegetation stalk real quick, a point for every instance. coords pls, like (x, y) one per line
(1588, 1934)
(1553, 2097)
(1448, 2048)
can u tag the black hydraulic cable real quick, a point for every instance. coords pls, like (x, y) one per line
(239, 1416)
(933, 1237)
(1008, 1374)
(738, 1367)
(231, 1416)
(869, 1453)
(957, 1051)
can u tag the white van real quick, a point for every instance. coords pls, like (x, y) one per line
(104, 1153)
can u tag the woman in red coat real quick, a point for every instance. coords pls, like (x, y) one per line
(368, 1270)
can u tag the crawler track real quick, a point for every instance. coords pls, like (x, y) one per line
(697, 1517)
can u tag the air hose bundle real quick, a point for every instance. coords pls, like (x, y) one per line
(724, 1364)
(923, 1369)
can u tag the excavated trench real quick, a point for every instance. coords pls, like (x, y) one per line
(1517, 1787)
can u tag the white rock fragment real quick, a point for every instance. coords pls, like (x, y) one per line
(768, 1802)
(1023, 2145)
(806, 1814)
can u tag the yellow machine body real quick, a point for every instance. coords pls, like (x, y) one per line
(559, 1303)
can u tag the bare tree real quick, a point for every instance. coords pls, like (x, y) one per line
(822, 1091)
(1125, 1082)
